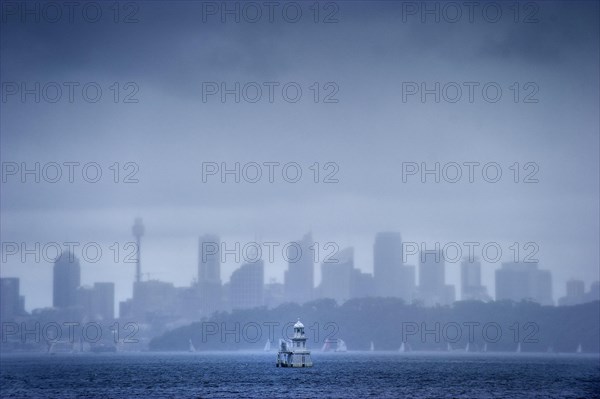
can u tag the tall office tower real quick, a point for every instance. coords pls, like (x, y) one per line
(10, 302)
(387, 261)
(336, 278)
(470, 281)
(406, 283)
(299, 277)
(209, 274)
(138, 231)
(209, 259)
(431, 277)
(246, 286)
(103, 301)
(519, 281)
(67, 278)
(432, 287)
(362, 284)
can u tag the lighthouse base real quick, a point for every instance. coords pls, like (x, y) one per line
(292, 359)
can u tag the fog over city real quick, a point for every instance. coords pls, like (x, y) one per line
(369, 135)
(261, 199)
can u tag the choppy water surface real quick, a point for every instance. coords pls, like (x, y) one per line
(335, 375)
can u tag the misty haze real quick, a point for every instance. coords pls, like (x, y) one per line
(384, 198)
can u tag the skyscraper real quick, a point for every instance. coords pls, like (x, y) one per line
(406, 282)
(103, 301)
(387, 261)
(336, 278)
(361, 284)
(209, 261)
(432, 287)
(209, 274)
(138, 231)
(246, 286)
(518, 281)
(10, 301)
(67, 278)
(299, 277)
(470, 281)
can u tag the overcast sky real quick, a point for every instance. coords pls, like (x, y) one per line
(362, 61)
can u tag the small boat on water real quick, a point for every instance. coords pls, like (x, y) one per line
(192, 348)
(372, 347)
(293, 353)
(579, 349)
(267, 347)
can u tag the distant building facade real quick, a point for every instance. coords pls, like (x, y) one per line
(433, 289)
(103, 301)
(336, 277)
(524, 281)
(387, 261)
(576, 293)
(246, 286)
(470, 281)
(299, 278)
(67, 279)
(11, 302)
(209, 274)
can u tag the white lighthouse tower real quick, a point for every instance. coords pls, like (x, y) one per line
(294, 353)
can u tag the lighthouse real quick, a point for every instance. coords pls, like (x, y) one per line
(294, 353)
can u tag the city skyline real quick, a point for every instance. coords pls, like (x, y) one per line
(427, 282)
(410, 187)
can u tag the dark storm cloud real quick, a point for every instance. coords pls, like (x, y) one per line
(369, 133)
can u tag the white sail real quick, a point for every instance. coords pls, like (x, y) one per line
(467, 347)
(402, 348)
(519, 348)
(341, 346)
(448, 347)
(267, 346)
(485, 347)
(579, 349)
(192, 348)
(372, 348)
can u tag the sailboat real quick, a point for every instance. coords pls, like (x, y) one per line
(485, 347)
(467, 347)
(328, 345)
(518, 348)
(448, 347)
(372, 348)
(192, 348)
(267, 346)
(51, 347)
(402, 348)
(579, 349)
(341, 346)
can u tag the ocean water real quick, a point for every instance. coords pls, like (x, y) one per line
(335, 375)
